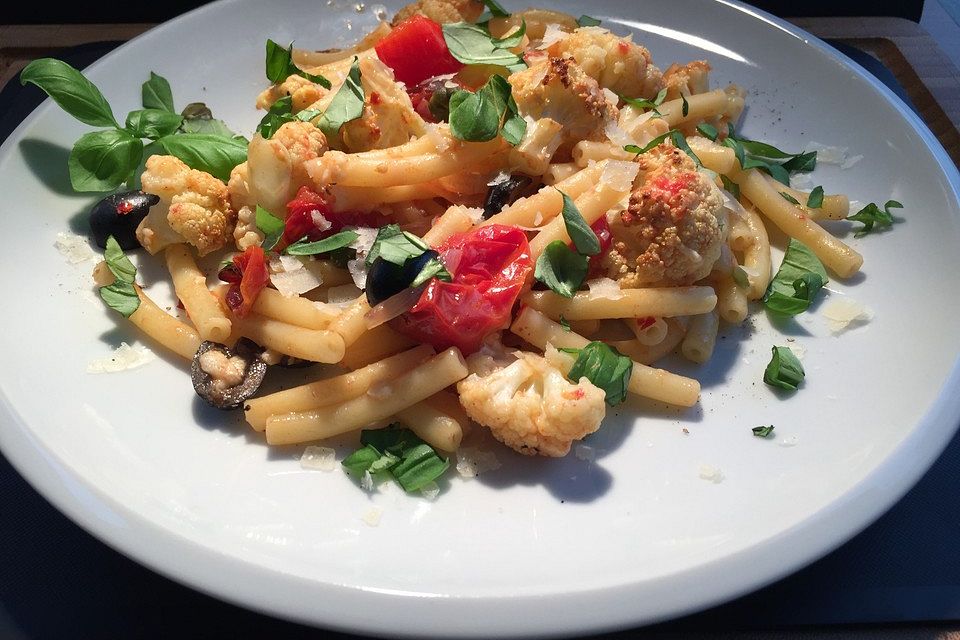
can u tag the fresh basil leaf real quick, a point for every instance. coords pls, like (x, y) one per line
(587, 21)
(762, 432)
(103, 160)
(731, 186)
(156, 94)
(480, 116)
(778, 173)
(606, 368)
(472, 44)
(514, 39)
(419, 466)
(871, 215)
(412, 462)
(280, 66)
(561, 269)
(801, 163)
(214, 154)
(632, 148)
(738, 150)
(432, 269)
(439, 103)
(121, 297)
(584, 239)
(279, 113)
(328, 244)
(684, 105)
(346, 105)
(270, 226)
(71, 90)
(815, 199)
(118, 263)
(708, 131)
(680, 142)
(152, 123)
(360, 461)
(765, 150)
(740, 277)
(395, 246)
(783, 295)
(495, 9)
(789, 198)
(784, 370)
(640, 103)
(308, 114)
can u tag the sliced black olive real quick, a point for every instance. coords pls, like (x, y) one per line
(504, 193)
(385, 279)
(213, 388)
(118, 215)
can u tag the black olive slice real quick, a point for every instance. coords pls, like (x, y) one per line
(215, 389)
(504, 193)
(385, 279)
(118, 215)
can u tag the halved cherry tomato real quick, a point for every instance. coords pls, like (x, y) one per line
(489, 266)
(252, 264)
(416, 50)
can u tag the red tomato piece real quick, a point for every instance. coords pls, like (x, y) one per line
(416, 50)
(489, 266)
(602, 228)
(252, 263)
(303, 222)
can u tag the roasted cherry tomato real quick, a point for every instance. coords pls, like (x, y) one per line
(252, 264)
(490, 266)
(416, 50)
(308, 215)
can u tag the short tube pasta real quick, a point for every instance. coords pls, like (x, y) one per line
(174, 335)
(352, 323)
(546, 204)
(432, 425)
(373, 345)
(191, 286)
(454, 220)
(632, 303)
(295, 310)
(697, 345)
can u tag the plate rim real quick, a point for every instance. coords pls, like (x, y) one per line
(594, 610)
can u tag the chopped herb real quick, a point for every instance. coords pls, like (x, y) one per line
(121, 296)
(279, 113)
(395, 245)
(815, 199)
(605, 367)
(561, 269)
(871, 216)
(280, 66)
(495, 9)
(752, 154)
(640, 103)
(678, 141)
(731, 186)
(708, 131)
(684, 106)
(762, 432)
(480, 116)
(584, 239)
(270, 226)
(347, 104)
(328, 244)
(564, 323)
(797, 282)
(784, 370)
(587, 21)
(789, 198)
(432, 269)
(118, 263)
(400, 453)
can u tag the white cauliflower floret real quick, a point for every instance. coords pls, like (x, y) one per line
(246, 233)
(616, 63)
(302, 91)
(674, 227)
(194, 207)
(687, 79)
(388, 120)
(275, 166)
(442, 11)
(529, 405)
(557, 88)
(239, 187)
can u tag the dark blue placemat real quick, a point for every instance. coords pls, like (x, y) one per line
(57, 581)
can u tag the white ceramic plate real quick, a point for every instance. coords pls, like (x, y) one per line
(540, 546)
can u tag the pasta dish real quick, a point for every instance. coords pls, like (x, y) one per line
(484, 219)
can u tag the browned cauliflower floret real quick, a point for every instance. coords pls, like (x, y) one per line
(557, 88)
(674, 227)
(275, 166)
(618, 64)
(246, 233)
(302, 91)
(388, 119)
(528, 404)
(194, 207)
(442, 11)
(687, 79)
(238, 187)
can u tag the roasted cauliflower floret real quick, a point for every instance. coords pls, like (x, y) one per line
(557, 88)
(275, 166)
(302, 91)
(618, 64)
(687, 79)
(674, 227)
(194, 207)
(388, 119)
(442, 11)
(528, 404)
(239, 188)
(246, 233)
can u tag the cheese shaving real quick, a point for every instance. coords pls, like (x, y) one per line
(318, 459)
(827, 154)
(843, 313)
(472, 462)
(123, 358)
(430, 491)
(295, 282)
(372, 517)
(605, 288)
(74, 248)
(711, 473)
(345, 293)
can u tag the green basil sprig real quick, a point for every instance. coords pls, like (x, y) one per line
(797, 282)
(121, 296)
(279, 66)
(784, 370)
(562, 269)
(346, 105)
(815, 199)
(397, 452)
(328, 244)
(640, 103)
(584, 239)
(675, 136)
(473, 44)
(871, 215)
(752, 154)
(605, 367)
(397, 246)
(480, 116)
(103, 160)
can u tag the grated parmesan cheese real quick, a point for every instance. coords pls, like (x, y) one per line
(358, 271)
(74, 248)
(372, 517)
(619, 174)
(802, 181)
(843, 313)
(790, 441)
(605, 288)
(827, 154)
(552, 34)
(430, 491)
(344, 293)
(711, 473)
(849, 162)
(123, 358)
(294, 283)
(585, 452)
(366, 482)
(318, 458)
(472, 462)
